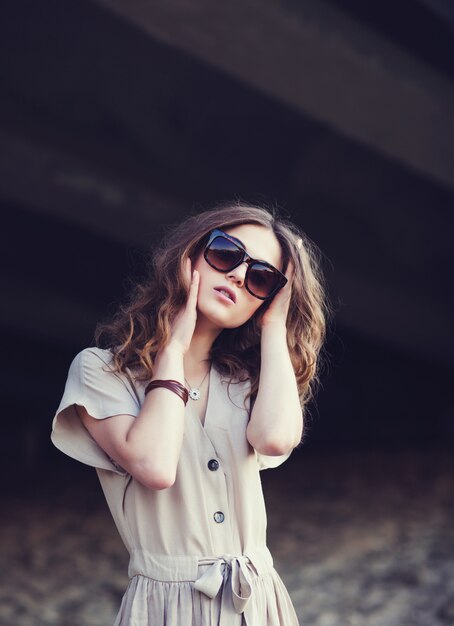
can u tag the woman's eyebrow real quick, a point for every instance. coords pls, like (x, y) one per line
(238, 240)
(242, 244)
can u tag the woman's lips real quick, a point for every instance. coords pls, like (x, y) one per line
(228, 294)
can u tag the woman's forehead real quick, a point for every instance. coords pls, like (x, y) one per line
(259, 241)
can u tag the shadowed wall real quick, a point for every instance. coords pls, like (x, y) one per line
(119, 118)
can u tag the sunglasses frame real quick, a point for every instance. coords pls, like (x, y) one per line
(246, 258)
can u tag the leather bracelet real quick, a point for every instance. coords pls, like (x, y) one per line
(171, 385)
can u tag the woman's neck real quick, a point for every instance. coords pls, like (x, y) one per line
(196, 359)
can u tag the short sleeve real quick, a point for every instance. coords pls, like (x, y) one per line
(269, 462)
(104, 393)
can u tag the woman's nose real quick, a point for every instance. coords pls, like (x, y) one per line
(238, 274)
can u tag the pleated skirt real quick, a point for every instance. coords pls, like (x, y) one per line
(150, 602)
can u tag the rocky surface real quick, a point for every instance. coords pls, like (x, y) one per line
(360, 539)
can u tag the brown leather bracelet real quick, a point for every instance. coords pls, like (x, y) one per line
(171, 385)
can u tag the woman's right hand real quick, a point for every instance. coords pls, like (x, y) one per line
(184, 323)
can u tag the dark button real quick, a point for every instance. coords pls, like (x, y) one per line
(218, 517)
(213, 465)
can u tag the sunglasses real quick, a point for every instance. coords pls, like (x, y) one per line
(224, 253)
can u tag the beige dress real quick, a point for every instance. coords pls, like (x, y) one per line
(198, 554)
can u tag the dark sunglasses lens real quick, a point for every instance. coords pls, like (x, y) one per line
(223, 254)
(262, 280)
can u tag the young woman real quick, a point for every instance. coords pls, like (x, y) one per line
(201, 382)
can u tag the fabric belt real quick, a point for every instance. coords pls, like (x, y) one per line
(232, 575)
(225, 571)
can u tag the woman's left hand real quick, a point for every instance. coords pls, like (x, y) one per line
(277, 312)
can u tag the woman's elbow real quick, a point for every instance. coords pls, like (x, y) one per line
(157, 483)
(274, 448)
(152, 476)
(274, 445)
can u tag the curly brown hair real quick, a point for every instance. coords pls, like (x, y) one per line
(141, 327)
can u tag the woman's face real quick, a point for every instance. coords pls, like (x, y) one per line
(215, 309)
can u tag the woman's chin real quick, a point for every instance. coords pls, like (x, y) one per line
(217, 319)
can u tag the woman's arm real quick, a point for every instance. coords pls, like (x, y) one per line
(276, 423)
(148, 446)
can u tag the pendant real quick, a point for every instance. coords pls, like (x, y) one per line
(194, 394)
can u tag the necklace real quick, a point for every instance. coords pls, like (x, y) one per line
(194, 392)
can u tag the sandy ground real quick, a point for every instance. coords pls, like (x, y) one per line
(359, 539)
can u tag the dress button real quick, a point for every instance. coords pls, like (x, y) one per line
(218, 517)
(213, 465)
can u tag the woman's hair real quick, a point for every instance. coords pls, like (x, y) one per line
(142, 326)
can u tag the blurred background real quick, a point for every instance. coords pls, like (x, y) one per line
(120, 117)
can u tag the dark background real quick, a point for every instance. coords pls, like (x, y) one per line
(118, 118)
(115, 123)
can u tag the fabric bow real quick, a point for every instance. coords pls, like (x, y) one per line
(218, 574)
